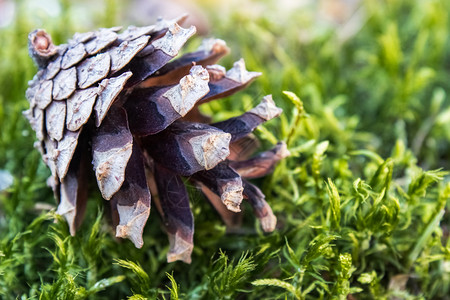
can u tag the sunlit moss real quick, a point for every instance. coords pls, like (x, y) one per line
(361, 202)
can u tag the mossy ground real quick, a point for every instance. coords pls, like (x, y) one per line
(362, 203)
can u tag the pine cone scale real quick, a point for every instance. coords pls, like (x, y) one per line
(176, 213)
(261, 208)
(36, 118)
(112, 146)
(110, 89)
(167, 104)
(131, 204)
(188, 148)
(64, 84)
(43, 95)
(93, 69)
(55, 119)
(224, 182)
(74, 190)
(126, 51)
(208, 53)
(133, 32)
(102, 39)
(222, 85)
(73, 56)
(79, 107)
(262, 164)
(63, 152)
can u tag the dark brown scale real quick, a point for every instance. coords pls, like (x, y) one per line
(176, 213)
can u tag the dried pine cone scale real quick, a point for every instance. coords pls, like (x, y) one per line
(159, 53)
(173, 205)
(167, 103)
(131, 204)
(112, 145)
(122, 104)
(209, 52)
(72, 192)
(187, 148)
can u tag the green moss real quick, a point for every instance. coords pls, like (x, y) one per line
(362, 203)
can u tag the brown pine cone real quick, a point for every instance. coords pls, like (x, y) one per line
(121, 102)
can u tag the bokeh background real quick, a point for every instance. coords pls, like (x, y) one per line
(362, 203)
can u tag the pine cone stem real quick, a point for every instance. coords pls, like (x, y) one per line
(41, 47)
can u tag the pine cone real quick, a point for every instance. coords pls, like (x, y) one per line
(146, 131)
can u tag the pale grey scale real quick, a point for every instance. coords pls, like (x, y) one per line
(103, 38)
(39, 120)
(52, 68)
(73, 56)
(124, 53)
(55, 116)
(64, 84)
(79, 107)
(115, 29)
(110, 168)
(111, 149)
(163, 23)
(36, 118)
(174, 39)
(64, 152)
(33, 87)
(93, 69)
(133, 32)
(82, 37)
(111, 88)
(43, 96)
(62, 49)
(50, 157)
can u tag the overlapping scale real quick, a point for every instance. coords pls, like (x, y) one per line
(123, 102)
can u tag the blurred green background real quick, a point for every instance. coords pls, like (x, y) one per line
(362, 203)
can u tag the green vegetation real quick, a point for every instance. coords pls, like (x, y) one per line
(362, 203)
